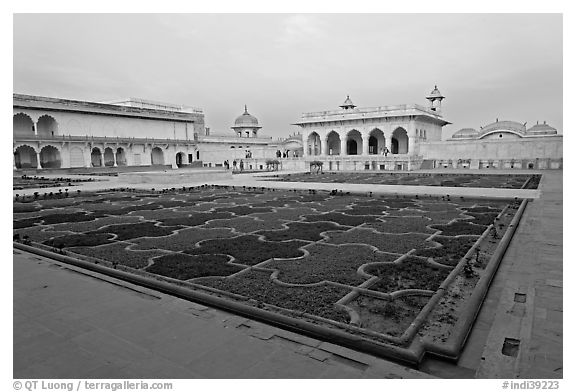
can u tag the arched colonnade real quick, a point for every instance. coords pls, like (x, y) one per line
(354, 142)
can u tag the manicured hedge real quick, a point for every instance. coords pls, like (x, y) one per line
(331, 263)
(248, 249)
(300, 231)
(184, 267)
(318, 301)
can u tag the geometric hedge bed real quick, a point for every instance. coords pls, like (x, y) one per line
(513, 181)
(389, 270)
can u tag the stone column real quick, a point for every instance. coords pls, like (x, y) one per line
(365, 144)
(411, 145)
(388, 144)
(14, 160)
(114, 157)
(35, 129)
(87, 156)
(325, 149)
(38, 165)
(343, 146)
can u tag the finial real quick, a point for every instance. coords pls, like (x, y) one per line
(245, 109)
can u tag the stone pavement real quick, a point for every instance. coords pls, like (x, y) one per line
(71, 323)
(525, 300)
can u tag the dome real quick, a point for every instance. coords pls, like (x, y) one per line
(542, 129)
(348, 104)
(246, 120)
(504, 126)
(435, 94)
(465, 133)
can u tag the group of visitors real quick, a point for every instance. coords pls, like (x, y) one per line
(384, 151)
(235, 165)
(286, 154)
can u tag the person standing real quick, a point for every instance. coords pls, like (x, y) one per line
(241, 165)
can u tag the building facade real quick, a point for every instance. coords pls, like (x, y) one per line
(53, 133)
(380, 138)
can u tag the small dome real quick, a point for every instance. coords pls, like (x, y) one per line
(504, 125)
(348, 104)
(465, 133)
(246, 120)
(542, 129)
(435, 94)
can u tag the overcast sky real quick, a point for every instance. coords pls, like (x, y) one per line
(487, 65)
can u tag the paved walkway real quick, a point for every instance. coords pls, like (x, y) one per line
(525, 300)
(71, 323)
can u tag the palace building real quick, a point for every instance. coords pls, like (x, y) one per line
(409, 137)
(54, 133)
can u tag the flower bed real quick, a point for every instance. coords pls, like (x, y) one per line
(460, 228)
(444, 179)
(393, 243)
(410, 273)
(135, 230)
(197, 219)
(341, 219)
(246, 224)
(183, 239)
(72, 240)
(450, 252)
(390, 317)
(248, 249)
(300, 231)
(183, 267)
(117, 253)
(328, 263)
(318, 301)
(411, 224)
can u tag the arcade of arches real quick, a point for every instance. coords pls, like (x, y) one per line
(355, 143)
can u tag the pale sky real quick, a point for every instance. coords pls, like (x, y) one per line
(506, 66)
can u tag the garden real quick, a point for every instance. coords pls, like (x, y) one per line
(366, 266)
(512, 181)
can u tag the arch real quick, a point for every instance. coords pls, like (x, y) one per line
(333, 141)
(50, 158)
(314, 144)
(96, 157)
(121, 157)
(399, 141)
(108, 157)
(76, 157)
(22, 125)
(180, 159)
(25, 157)
(47, 126)
(157, 156)
(353, 142)
(376, 142)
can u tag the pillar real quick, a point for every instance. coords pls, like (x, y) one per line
(38, 164)
(14, 160)
(388, 143)
(36, 129)
(411, 145)
(87, 156)
(325, 148)
(365, 144)
(114, 157)
(343, 146)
